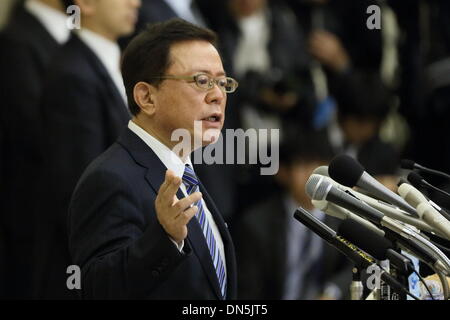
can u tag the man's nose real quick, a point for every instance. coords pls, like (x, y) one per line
(215, 95)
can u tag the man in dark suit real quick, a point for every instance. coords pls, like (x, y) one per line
(84, 110)
(36, 30)
(131, 221)
(278, 257)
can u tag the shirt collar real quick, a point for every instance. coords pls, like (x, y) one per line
(53, 20)
(184, 10)
(167, 156)
(180, 6)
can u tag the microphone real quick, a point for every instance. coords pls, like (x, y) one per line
(352, 252)
(368, 240)
(417, 180)
(393, 212)
(322, 170)
(430, 213)
(434, 219)
(350, 173)
(411, 165)
(322, 188)
(343, 214)
(411, 194)
(386, 208)
(371, 242)
(414, 197)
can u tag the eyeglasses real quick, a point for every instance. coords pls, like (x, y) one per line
(203, 81)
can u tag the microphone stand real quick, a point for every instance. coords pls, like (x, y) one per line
(356, 287)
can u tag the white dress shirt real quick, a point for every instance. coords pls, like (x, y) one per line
(108, 52)
(252, 51)
(183, 9)
(175, 164)
(54, 21)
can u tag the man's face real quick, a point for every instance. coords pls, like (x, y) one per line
(179, 103)
(358, 130)
(116, 17)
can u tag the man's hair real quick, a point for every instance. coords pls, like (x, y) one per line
(148, 54)
(305, 146)
(365, 96)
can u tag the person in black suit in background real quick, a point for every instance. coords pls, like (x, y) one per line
(278, 257)
(84, 110)
(131, 219)
(37, 29)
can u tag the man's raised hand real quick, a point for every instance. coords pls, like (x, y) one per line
(174, 214)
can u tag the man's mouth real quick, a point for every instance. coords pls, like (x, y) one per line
(213, 118)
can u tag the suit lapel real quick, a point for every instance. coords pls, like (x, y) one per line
(118, 108)
(155, 174)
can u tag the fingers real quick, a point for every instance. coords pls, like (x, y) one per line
(187, 215)
(169, 188)
(185, 203)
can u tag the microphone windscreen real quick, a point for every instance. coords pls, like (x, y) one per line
(407, 164)
(345, 170)
(322, 170)
(365, 238)
(415, 179)
(317, 187)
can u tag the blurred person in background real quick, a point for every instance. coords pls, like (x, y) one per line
(339, 43)
(84, 110)
(152, 11)
(363, 104)
(278, 257)
(425, 80)
(35, 32)
(263, 46)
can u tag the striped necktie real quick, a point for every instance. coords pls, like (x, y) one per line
(192, 185)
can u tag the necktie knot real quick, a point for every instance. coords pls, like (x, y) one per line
(189, 177)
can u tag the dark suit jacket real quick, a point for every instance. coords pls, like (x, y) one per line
(151, 11)
(26, 49)
(122, 248)
(84, 114)
(260, 238)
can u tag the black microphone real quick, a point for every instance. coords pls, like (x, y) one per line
(361, 259)
(378, 246)
(349, 172)
(418, 181)
(411, 165)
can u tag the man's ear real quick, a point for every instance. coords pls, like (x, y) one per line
(144, 98)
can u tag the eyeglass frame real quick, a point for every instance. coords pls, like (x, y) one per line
(193, 79)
